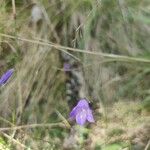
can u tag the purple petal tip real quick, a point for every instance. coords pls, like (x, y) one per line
(6, 76)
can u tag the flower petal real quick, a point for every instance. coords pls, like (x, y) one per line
(73, 113)
(90, 117)
(83, 103)
(81, 117)
(6, 76)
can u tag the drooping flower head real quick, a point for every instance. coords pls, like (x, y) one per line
(6, 76)
(82, 112)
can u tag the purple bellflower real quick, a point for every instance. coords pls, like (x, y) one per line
(82, 112)
(67, 67)
(6, 76)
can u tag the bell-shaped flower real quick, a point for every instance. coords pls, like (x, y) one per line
(82, 112)
(6, 76)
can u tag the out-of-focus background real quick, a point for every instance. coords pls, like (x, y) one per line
(107, 45)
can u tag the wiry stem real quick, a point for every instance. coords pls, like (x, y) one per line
(59, 47)
(14, 9)
(49, 125)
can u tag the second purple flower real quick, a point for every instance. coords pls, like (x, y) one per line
(6, 76)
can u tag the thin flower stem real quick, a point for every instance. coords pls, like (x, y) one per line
(148, 145)
(59, 47)
(63, 118)
(14, 9)
(49, 125)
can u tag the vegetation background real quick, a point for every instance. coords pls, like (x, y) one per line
(111, 41)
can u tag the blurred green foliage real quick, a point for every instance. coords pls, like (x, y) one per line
(37, 89)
